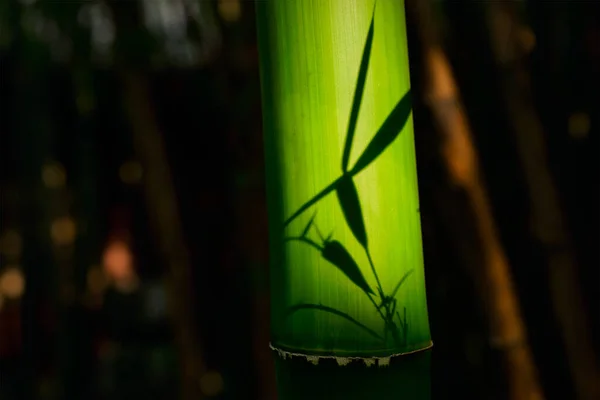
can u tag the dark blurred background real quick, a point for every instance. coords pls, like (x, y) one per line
(133, 240)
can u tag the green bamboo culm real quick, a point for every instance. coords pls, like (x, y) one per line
(347, 278)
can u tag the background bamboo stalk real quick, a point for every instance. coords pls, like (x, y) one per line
(164, 214)
(506, 325)
(512, 40)
(36, 206)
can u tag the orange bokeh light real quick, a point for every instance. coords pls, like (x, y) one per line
(117, 262)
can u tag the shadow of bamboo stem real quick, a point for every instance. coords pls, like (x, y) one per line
(162, 206)
(511, 42)
(506, 325)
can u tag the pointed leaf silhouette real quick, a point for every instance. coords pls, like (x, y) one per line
(360, 86)
(350, 203)
(305, 240)
(306, 229)
(406, 275)
(389, 130)
(336, 253)
(331, 310)
(332, 186)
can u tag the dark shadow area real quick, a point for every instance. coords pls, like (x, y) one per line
(404, 377)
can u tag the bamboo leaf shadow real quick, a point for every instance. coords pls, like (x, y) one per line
(332, 186)
(309, 225)
(334, 252)
(299, 307)
(358, 93)
(406, 275)
(350, 204)
(389, 130)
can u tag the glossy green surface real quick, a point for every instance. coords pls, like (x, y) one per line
(323, 286)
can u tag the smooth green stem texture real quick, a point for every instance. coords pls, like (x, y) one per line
(337, 120)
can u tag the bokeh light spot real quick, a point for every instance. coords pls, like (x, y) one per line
(12, 282)
(63, 231)
(211, 383)
(230, 10)
(53, 175)
(117, 263)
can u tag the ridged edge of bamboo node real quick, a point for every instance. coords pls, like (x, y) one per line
(342, 361)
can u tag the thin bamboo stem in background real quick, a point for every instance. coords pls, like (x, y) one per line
(506, 323)
(511, 41)
(162, 206)
(460, 156)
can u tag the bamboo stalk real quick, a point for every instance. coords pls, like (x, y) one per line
(511, 41)
(347, 266)
(505, 320)
(160, 195)
(347, 279)
(460, 156)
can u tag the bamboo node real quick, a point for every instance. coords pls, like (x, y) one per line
(342, 361)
